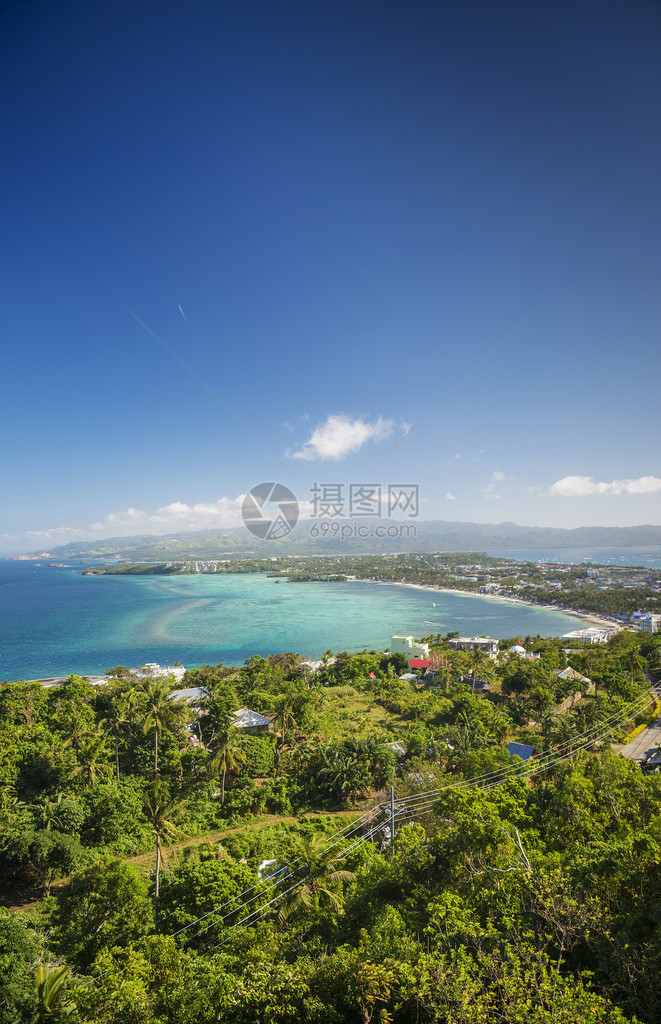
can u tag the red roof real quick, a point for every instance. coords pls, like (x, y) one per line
(418, 663)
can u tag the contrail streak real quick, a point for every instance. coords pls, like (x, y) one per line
(203, 384)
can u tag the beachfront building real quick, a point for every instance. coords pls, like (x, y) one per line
(475, 643)
(593, 635)
(152, 670)
(409, 647)
(651, 623)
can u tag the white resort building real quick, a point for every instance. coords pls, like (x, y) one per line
(475, 643)
(407, 645)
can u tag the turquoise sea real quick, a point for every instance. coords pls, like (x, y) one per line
(53, 621)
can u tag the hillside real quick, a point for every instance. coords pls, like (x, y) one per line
(439, 535)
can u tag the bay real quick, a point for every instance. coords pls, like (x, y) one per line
(53, 621)
(646, 556)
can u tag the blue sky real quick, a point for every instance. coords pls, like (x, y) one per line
(329, 212)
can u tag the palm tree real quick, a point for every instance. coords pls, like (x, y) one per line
(550, 722)
(90, 759)
(634, 662)
(467, 734)
(443, 672)
(320, 865)
(160, 712)
(79, 728)
(161, 811)
(566, 730)
(478, 661)
(117, 722)
(496, 721)
(227, 757)
(284, 715)
(47, 812)
(50, 987)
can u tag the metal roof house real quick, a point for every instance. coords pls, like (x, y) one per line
(251, 721)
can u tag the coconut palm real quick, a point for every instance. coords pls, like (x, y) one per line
(550, 722)
(228, 756)
(284, 715)
(634, 662)
(79, 727)
(478, 663)
(565, 731)
(47, 812)
(160, 711)
(161, 812)
(118, 723)
(90, 759)
(320, 866)
(497, 722)
(468, 734)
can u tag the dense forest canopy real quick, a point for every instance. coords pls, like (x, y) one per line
(159, 864)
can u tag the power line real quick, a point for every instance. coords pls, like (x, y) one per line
(352, 827)
(426, 801)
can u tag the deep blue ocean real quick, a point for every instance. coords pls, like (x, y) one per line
(53, 621)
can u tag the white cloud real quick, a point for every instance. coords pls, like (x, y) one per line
(497, 477)
(340, 436)
(177, 517)
(580, 486)
(450, 496)
(173, 518)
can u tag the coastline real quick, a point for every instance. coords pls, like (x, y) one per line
(583, 617)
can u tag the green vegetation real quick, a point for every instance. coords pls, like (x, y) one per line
(426, 536)
(161, 865)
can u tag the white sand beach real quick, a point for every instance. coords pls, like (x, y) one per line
(581, 616)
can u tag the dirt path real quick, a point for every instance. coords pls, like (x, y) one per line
(148, 860)
(29, 899)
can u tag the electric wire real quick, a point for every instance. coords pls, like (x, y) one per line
(426, 800)
(600, 728)
(352, 827)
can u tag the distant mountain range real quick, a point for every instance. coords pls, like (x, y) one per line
(435, 535)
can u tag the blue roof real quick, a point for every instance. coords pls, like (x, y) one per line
(520, 750)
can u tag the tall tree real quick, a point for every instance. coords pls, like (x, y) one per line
(161, 712)
(320, 864)
(479, 663)
(227, 756)
(118, 723)
(91, 761)
(162, 812)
